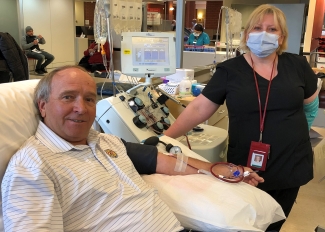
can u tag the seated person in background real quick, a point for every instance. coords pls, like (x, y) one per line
(69, 177)
(198, 37)
(93, 59)
(32, 50)
(173, 25)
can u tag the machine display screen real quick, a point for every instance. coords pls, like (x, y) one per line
(150, 51)
(149, 54)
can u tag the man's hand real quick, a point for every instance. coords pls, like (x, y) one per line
(39, 36)
(253, 178)
(35, 41)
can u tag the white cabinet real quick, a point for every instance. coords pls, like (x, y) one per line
(81, 46)
(218, 119)
(193, 59)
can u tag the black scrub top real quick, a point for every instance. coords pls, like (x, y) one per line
(291, 158)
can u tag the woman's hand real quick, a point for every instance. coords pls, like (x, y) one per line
(253, 178)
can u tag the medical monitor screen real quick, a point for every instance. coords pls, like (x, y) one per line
(146, 54)
(150, 51)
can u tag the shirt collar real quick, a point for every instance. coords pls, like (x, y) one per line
(57, 144)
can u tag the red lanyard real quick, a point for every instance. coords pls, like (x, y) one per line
(262, 118)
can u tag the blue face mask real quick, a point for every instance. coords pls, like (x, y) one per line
(262, 44)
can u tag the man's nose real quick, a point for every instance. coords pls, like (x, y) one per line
(80, 106)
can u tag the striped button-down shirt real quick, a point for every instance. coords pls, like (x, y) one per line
(52, 185)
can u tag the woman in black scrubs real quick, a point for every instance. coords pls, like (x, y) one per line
(268, 94)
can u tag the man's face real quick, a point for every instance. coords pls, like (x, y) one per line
(30, 32)
(71, 107)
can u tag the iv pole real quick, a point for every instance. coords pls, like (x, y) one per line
(110, 42)
(229, 35)
(102, 21)
(227, 32)
(227, 29)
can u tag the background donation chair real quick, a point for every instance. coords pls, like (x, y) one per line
(14, 57)
(5, 73)
(18, 121)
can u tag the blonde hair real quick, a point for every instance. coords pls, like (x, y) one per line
(257, 16)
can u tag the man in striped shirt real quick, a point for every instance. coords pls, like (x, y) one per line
(68, 177)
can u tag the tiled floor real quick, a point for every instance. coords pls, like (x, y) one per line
(309, 210)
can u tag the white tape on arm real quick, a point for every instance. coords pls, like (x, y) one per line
(181, 163)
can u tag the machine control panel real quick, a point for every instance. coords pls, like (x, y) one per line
(140, 115)
(139, 112)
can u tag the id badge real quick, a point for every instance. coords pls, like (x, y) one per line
(258, 155)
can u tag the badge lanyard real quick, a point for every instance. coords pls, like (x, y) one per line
(259, 152)
(262, 118)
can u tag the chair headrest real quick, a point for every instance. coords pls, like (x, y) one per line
(19, 118)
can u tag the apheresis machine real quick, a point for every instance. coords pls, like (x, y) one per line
(140, 112)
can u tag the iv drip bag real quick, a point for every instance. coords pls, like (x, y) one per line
(101, 15)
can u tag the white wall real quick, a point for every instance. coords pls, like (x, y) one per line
(9, 18)
(295, 19)
(54, 20)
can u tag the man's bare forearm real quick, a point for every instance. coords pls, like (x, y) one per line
(166, 165)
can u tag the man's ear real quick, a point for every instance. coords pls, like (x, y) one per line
(41, 107)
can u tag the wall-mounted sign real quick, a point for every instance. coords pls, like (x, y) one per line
(153, 18)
